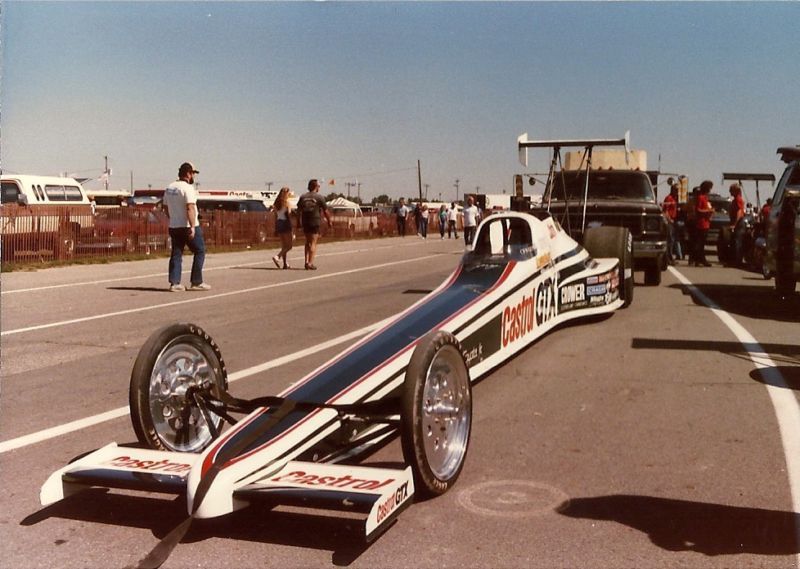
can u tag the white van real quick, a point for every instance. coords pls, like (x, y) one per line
(28, 190)
(42, 216)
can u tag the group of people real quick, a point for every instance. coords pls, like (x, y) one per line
(447, 218)
(689, 223)
(180, 200)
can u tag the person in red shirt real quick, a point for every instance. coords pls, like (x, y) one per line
(670, 208)
(703, 213)
(736, 217)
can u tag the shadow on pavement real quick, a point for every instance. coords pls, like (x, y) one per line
(759, 302)
(680, 525)
(340, 535)
(140, 288)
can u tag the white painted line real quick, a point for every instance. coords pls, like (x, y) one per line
(59, 430)
(784, 402)
(163, 274)
(201, 296)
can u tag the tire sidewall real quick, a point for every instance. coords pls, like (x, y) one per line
(426, 482)
(149, 354)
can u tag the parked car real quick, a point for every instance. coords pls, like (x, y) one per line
(130, 228)
(42, 216)
(783, 225)
(227, 221)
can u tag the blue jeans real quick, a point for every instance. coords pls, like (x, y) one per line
(180, 239)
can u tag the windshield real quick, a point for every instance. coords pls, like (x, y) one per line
(605, 185)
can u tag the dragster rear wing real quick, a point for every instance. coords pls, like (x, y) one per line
(523, 144)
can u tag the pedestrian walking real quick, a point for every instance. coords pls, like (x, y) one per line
(180, 198)
(472, 216)
(311, 206)
(402, 216)
(442, 215)
(422, 224)
(452, 219)
(283, 227)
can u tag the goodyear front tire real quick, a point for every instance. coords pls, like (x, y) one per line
(436, 417)
(616, 243)
(175, 360)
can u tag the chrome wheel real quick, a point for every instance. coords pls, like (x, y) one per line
(179, 422)
(446, 412)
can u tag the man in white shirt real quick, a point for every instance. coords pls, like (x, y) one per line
(180, 198)
(402, 215)
(472, 215)
(452, 219)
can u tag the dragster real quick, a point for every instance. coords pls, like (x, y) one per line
(522, 277)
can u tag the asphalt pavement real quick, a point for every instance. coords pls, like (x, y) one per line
(661, 436)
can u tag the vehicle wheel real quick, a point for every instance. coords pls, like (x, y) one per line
(436, 413)
(131, 243)
(617, 243)
(724, 246)
(175, 360)
(652, 273)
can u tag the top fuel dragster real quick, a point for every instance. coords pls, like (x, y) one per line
(522, 277)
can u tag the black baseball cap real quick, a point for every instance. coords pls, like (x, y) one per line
(187, 167)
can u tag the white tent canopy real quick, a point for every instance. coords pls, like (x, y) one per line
(342, 203)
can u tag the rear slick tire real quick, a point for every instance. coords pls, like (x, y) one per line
(615, 243)
(436, 416)
(173, 360)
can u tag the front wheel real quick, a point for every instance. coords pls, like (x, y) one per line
(436, 415)
(173, 364)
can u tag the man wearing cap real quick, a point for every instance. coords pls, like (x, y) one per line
(180, 198)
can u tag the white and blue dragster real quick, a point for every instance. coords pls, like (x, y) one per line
(522, 277)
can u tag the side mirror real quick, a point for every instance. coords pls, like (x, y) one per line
(22, 199)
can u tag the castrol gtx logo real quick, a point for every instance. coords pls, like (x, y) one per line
(346, 481)
(389, 505)
(518, 319)
(149, 465)
(532, 310)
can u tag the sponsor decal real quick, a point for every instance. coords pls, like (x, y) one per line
(527, 251)
(596, 290)
(346, 481)
(150, 465)
(518, 320)
(543, 260)
(545, 301)
(552, 231)
(482, 343)
(388, 506)
(592, 280)
(571, 297)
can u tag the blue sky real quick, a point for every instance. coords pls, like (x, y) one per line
(258, 92)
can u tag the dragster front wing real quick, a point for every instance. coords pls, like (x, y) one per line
(380, 493)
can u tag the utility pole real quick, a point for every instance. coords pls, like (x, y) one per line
(419, 180)
(426, 190)
(105, 173)
(358, 186)
(269, 185)
(349, 185)
(456, 185)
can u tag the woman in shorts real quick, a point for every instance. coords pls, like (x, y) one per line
(283, 227)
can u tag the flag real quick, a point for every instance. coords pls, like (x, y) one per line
(331, 182)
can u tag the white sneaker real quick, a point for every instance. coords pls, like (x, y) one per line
(201, 286)
(176, 287)
(277, 261)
